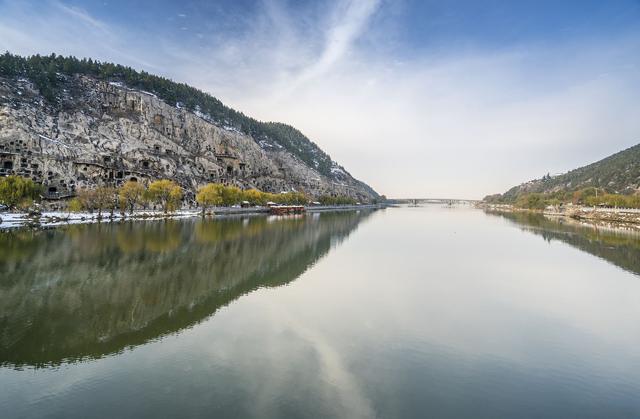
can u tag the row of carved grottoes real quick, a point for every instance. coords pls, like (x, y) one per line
(43, 170)
(61, 177)
(16, 145)
(92, 174)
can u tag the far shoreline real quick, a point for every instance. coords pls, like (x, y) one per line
(627, 218)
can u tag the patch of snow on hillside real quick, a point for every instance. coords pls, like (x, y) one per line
(147, 93)
(230, 128)
(265, 144)
(204, 116)
(54, 141)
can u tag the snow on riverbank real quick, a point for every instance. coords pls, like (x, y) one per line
(56, 218)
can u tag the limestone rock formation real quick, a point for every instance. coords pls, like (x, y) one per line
(106, 133)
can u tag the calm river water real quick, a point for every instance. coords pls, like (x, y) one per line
(399, 313)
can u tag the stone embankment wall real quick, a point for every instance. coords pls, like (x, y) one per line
(614, 215)
(623, 216)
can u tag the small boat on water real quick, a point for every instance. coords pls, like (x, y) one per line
(287, 209)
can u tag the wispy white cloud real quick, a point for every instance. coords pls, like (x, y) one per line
(81, 15)
(347, 22)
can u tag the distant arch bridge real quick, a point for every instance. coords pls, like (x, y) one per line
(445, 201)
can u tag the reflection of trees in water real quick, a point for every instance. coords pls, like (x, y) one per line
(89, 290)
(618, 246)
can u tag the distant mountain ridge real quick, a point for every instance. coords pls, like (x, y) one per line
(616, 174)
(80, 110)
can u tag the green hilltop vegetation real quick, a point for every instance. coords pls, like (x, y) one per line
(613, 182)
(49, 73)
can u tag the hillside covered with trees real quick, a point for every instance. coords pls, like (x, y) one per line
(613, 181)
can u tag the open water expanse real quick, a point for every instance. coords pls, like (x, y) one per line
(398, 313)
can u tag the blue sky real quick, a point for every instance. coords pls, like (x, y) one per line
(424, 98)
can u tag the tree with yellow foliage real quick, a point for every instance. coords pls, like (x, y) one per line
(209, 195)
(101, 198)
(166, 193)
(255, 197)
(16, 191)
(231, 195)
(74, 205)
(105, 199)
(131, 194)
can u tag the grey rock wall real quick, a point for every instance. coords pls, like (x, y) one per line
(105, 134)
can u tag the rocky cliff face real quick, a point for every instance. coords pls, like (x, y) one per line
(105, 134)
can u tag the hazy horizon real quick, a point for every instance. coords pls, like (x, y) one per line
(416, 98)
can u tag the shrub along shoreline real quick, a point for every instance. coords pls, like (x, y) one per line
(161, 198)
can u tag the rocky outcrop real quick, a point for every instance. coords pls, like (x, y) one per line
(105, 133)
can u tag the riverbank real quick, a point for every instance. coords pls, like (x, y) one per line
(58, 218)
(628, 218)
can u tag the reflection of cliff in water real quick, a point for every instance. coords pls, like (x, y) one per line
(90, 290)
(618, 246)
